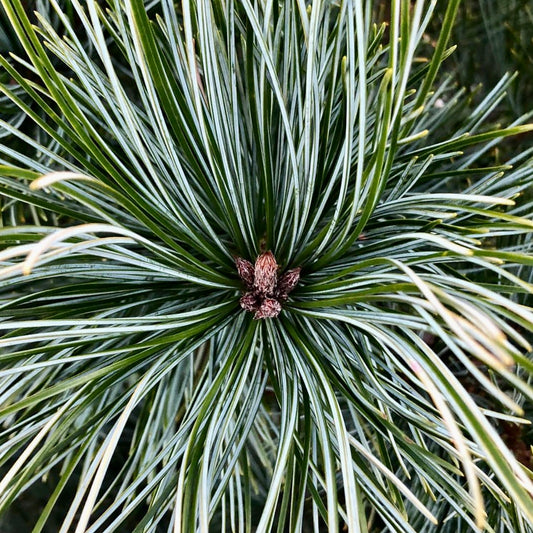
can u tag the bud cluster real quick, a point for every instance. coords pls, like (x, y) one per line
(265, 290)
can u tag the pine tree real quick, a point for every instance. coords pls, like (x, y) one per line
(262, 269)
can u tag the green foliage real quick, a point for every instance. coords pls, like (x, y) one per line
(146, 146)
(496, 36)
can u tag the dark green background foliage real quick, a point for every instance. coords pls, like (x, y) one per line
(146, 144)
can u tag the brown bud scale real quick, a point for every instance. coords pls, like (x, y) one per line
(265, 274)
(249, 302)
(246, 271)
(287, 282)
(269, 308)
